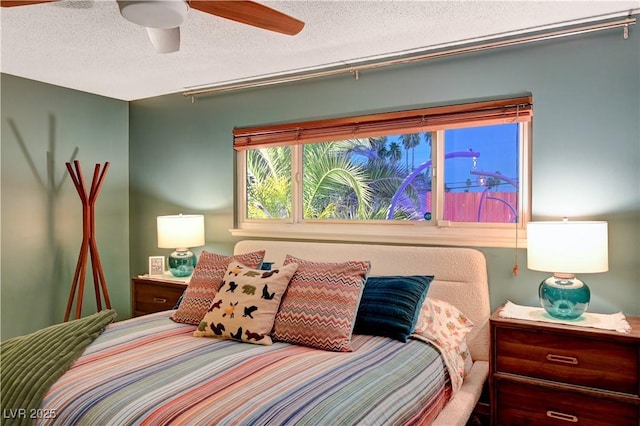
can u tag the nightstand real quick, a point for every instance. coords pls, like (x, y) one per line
(552, 374)
(150, 295)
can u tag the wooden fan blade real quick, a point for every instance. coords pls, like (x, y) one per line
(12, 3)
(250, 13)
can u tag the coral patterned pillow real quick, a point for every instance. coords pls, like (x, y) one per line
(320, 305)
(441, 321)
(246, 304)
(205, 282)
(443, 325)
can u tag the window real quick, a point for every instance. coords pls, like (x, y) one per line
(456, 175)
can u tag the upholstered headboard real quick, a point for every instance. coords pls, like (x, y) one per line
(460, 273)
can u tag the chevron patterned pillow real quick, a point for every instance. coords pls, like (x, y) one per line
(320, 305)
(205, 282)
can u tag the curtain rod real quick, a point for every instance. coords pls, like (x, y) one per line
(355, 69)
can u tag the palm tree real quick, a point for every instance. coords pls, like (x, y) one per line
(428, 139)
(410, 141)
(269, 183)
(333, 185)
(384, 178)
(336, 183)
(395, 154)
(379, 146)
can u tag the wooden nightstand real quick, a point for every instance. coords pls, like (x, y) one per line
(150, 295)
(551, 374)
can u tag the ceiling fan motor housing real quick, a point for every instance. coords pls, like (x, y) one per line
(154, 13)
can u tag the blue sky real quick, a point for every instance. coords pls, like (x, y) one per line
(497, 146)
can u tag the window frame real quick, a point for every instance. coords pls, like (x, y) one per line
(435, 232)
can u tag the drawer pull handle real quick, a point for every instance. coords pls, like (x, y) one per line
(562, 359)
(562, 416)
(159, 300)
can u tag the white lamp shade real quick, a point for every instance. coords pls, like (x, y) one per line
(568, 247)
(180, 231)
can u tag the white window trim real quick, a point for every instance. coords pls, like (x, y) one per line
(434, 232)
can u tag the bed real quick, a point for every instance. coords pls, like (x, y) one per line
(152, 370)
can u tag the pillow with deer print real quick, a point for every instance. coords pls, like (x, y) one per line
(246, 304)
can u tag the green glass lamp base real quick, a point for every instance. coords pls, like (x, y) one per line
(182, 263)
(564, 297)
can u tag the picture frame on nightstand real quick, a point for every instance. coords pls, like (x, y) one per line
(156, 266)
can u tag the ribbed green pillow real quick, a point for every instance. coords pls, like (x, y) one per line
(390, 305)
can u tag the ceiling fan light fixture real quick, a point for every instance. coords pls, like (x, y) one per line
(154, 13)
(165, 40)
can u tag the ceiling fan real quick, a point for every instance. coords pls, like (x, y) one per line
(162, 18)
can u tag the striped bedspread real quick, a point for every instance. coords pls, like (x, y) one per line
(152, 371)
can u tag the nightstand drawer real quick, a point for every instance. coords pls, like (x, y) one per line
(565, 358)
(154, 296)
(526, 404)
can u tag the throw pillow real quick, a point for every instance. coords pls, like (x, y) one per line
(390, 305)
(466, 357)
(320, 305)
(246, 304)
(444, 326)
(205, 282)
(443, 323)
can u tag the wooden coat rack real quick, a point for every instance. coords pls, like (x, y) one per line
(89, 246)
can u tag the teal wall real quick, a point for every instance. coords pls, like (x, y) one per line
(586, 149)
(41, 214)
(169, 155)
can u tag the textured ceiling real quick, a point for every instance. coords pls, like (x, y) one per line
(86, 45)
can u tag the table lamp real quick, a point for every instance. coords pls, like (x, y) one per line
(566, 248)
(180, 232)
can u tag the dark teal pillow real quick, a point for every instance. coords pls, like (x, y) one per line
(390, 305)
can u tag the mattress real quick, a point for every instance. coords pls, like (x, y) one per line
(152, 371)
